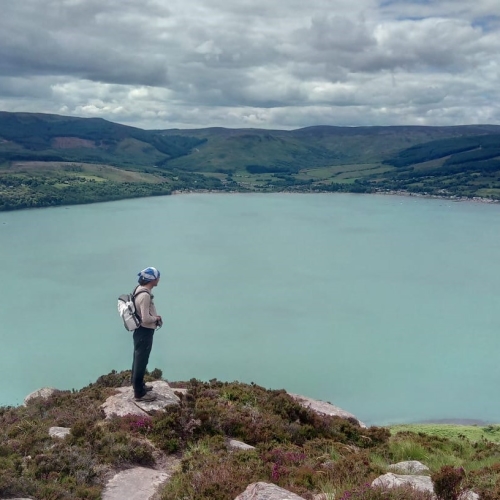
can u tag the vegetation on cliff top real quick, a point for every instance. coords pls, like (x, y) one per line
(294, 447)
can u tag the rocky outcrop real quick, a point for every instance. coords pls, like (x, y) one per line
(138, 483)
(390, 480)
(267, 491)
(123, 402)
(59, 432)
(44, 392)
(142, 483)
(409, 467)
(324, 408)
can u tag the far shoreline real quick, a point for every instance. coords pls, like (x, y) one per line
(407, 194)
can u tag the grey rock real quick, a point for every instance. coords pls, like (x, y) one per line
(409, 467)
(267, 491)
(123, 402)
(422, 483)
(138, 483)
(59, 432)
(44, 392)
(180, 390)
(468, 495)
(165, 394)
(239, 445)
(390, 480)
(324, 408)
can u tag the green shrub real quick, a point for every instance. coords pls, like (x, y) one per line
(113, 379)
(485, 481)
(351, 469)
(119, 448)
(73, 465)
(85, 432)
(255, 415)
(12, 483)
(447, 482)
(156, 374)
(209, 471)
(167, 431)
(136, 424)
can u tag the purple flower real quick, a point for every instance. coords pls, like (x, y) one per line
(275, 473)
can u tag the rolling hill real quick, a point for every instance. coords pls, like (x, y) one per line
(50, 159)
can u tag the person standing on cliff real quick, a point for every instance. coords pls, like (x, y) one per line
(143, 336)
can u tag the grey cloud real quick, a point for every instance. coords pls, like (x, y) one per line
(252, 62)
(339, 33)
(14, 87)
(86, 15)
(439, 43)
(91, 53)
(94, 64)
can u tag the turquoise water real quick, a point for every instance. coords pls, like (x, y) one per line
(388, 307)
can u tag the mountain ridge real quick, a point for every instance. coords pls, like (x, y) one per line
(70, 152)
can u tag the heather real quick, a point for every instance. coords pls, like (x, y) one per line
(295, 448)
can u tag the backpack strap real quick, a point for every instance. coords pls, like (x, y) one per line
(135, 292)
(134, 295)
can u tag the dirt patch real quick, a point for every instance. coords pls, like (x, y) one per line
(86, 171)
(72, 142)
(33, 165)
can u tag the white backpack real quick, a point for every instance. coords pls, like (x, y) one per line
(128, 313)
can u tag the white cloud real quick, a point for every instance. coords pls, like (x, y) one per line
(281, 64)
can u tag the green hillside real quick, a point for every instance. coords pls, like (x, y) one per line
(233, 149)
(456, 151)
(460, 166)
(50, 160)
(37, 137)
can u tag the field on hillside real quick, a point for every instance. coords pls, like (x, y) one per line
(473, 433)
(79, 171)
(42, 184)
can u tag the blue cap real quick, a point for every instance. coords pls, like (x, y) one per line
(149, 274)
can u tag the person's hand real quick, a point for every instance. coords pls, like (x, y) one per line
(159, 321)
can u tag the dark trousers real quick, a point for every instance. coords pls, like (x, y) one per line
(143, 342)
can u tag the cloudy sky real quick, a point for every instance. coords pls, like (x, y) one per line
(253, 63)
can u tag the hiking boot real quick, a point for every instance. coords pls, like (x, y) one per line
(148, 396)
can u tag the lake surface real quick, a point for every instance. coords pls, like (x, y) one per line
(388, 307)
